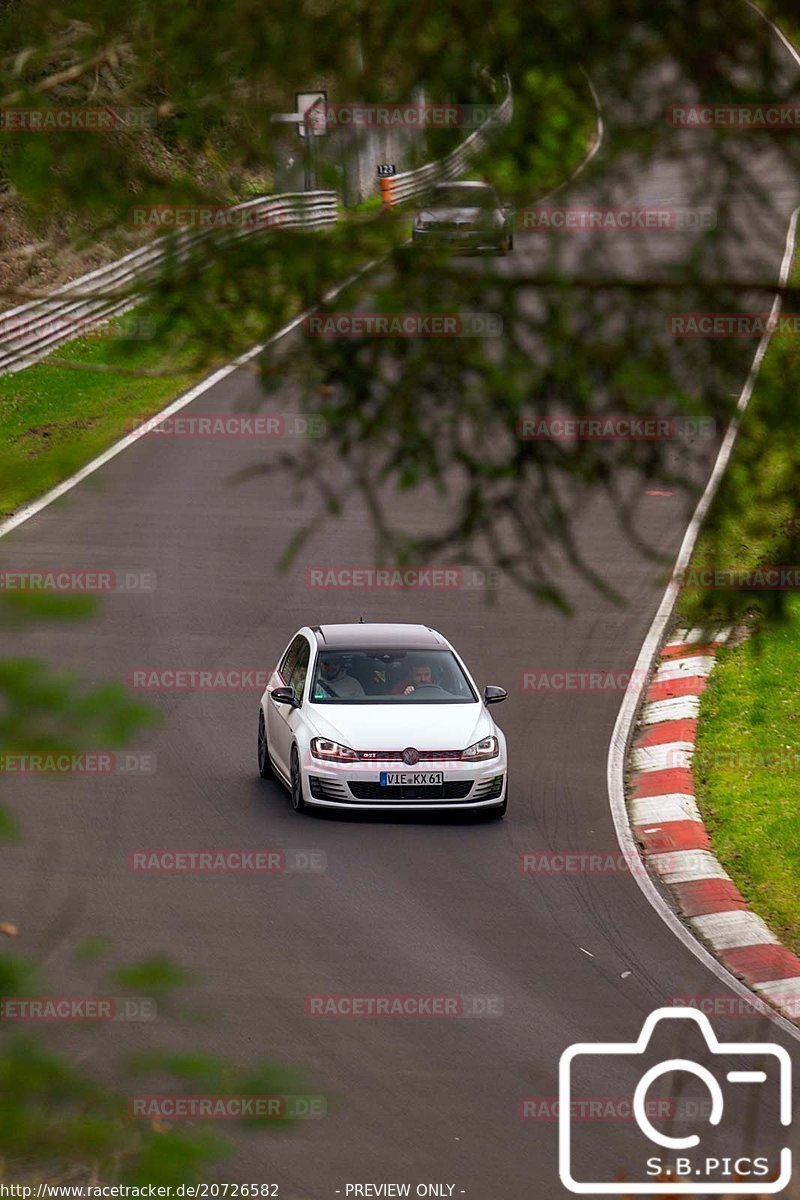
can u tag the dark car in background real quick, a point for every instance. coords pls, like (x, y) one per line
(467, 216)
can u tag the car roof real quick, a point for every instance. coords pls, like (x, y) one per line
(374, 635)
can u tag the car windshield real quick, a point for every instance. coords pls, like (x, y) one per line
(388, 676)
(454, 196)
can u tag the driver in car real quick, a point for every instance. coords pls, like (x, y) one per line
(333, 676)
(421, 674)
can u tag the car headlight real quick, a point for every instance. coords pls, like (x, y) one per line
(423, 223)
(332, 751)
(487, 748)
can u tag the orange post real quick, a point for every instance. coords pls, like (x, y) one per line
(387, 191)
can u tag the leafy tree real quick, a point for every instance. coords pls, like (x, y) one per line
(583, 317)
(58, 1122)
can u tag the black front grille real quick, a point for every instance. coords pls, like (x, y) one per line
(452, 789)
(458, 227)
(326, 789)
(490, 789)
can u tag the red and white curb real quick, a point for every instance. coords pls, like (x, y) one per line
(672, 838)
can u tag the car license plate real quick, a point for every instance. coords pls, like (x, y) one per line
(411, 778)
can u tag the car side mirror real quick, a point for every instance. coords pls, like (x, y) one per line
(492, 694)
(285, 695)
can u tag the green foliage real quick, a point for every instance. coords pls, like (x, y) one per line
(91, 949)
(753, 521)
(582, 333)
(57, 1120)
(156, 976)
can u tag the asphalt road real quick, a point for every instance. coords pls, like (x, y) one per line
(404, 906)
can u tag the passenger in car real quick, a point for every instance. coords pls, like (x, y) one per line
(335, 677)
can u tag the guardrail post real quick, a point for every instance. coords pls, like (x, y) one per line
(387, 191)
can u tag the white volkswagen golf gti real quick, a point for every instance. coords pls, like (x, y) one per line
(374, 716)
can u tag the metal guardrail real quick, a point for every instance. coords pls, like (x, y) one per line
(31, 330)
(411, 184)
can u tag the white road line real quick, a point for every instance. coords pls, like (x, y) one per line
(781, 35)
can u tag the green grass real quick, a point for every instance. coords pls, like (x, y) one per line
(747, 770)
(58, 414)
(54, 419)
(747, 762)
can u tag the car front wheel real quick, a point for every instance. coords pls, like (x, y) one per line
(298, 803)
(264, 765)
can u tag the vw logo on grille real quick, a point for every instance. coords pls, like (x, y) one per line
(410, 756)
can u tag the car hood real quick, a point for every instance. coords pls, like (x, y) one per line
(396, 726)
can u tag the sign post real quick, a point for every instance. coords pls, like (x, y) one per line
(310, 118)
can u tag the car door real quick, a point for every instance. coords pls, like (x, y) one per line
(286, 717)
(276, 723)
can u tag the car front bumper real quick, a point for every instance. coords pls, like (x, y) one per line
(357, 786)
(473, 240)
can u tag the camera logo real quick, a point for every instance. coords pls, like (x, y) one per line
(672, 1164)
